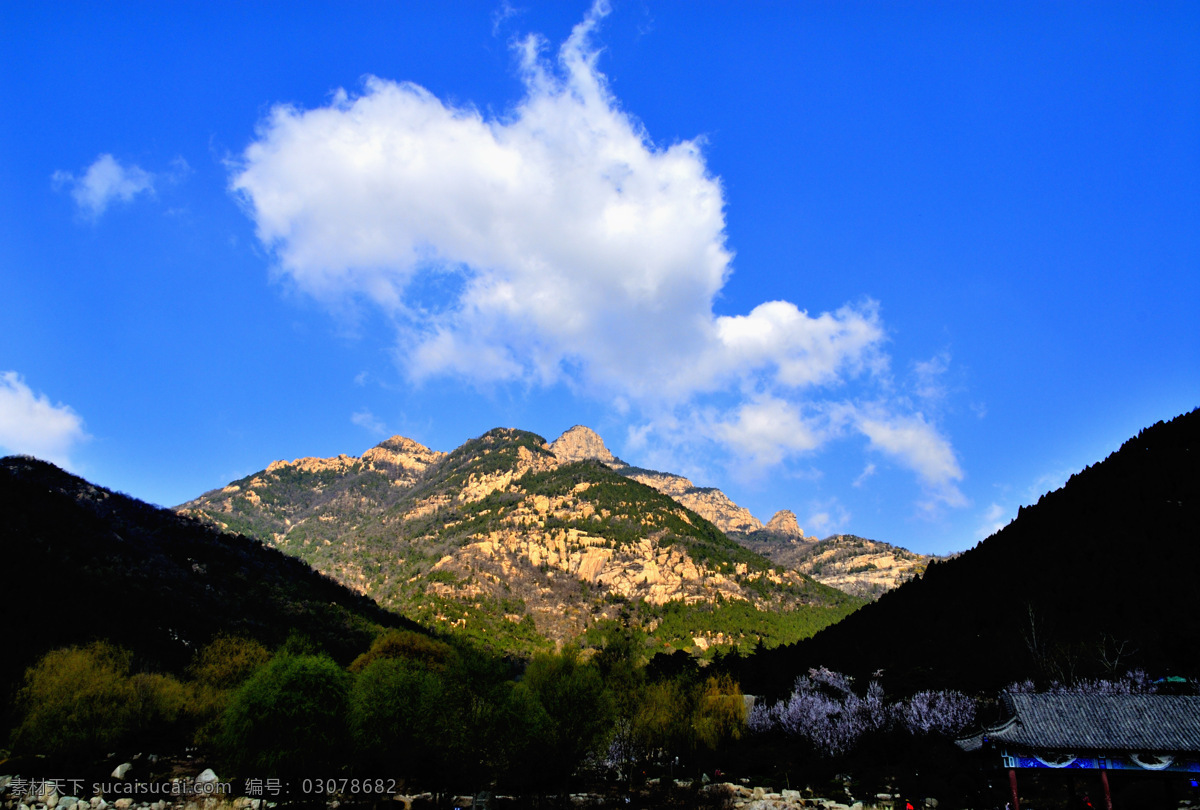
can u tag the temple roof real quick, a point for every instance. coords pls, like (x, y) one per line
(1082, 722)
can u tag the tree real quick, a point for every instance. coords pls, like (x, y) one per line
(944, 712)
(78, 702)
(405, 644)
(227, 661)
(288, 718)
(578, 709)
(720, 713)
(395, 714)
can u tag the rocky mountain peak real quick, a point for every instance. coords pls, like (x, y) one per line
(400, 452)
(581, 443)
(784, 522)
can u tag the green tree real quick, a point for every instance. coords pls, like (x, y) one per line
(663, 722)
(162, 711)
(217, 670)
(396, 716)
(578, 709)
(289, 718)
(625, 680)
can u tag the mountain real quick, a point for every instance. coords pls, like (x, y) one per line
(519, 543)
(1097, 578)
(83, 563)
(581, 443)
(860, 567)
(856, 565)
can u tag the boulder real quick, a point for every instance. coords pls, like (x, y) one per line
(122, 769)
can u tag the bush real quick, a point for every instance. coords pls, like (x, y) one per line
(289, 718)
(160, 711)
(227, 661)
(405, 645)
(77, 702)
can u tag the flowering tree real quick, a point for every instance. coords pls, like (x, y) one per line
(825, 711)
(1135, 682)
(941, 712)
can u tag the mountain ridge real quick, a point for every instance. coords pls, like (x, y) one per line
(503, 538)
(1096, 578)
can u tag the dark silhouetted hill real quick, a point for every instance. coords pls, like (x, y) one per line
(80, 563)
(1100, 576)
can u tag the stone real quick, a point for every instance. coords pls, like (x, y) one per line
(784, 522)
(123, 803)
(122, 769)
(67, 802)
(206, 777)
(580, 443)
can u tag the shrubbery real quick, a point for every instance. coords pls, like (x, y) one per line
(289, 718)
(82, 701)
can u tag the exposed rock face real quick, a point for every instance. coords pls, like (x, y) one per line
(399, 460)
(784, 522)
(581, 443)
(401, 453)
(861, 567)
(711, 504)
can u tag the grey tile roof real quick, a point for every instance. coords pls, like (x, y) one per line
(1080, 722)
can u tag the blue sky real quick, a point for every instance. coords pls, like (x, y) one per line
(898, 267)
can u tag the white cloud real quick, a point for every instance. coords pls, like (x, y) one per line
(918, 445)
(31, 425)
(368, 421)
(105, 181)
(566, 247)
(767, 430)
